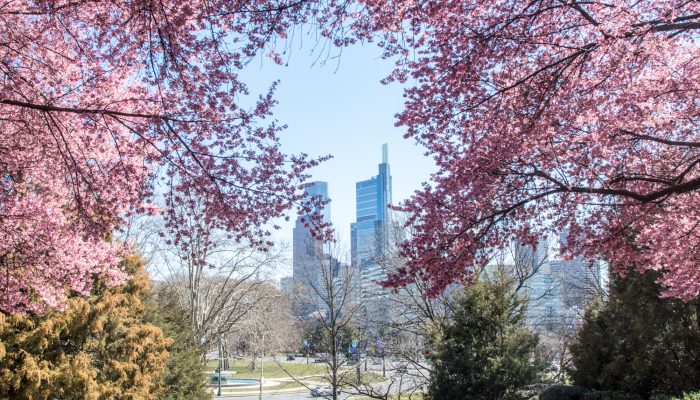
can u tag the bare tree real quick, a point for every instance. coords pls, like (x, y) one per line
(405, 326)
(328, 291)
(579, 287)
(414, 317)
(268, 328)
(565, 285)
(215, 277)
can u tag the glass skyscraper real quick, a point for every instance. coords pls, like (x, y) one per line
(559, 289)
(368, 234)
(307, 253)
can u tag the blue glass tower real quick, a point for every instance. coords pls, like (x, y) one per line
(307, 252)
(368, 234)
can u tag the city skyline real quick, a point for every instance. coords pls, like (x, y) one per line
(341, 193)
(333, 109)
(373, 197)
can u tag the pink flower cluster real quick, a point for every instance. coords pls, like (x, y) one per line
(100, 103)
(550, 115)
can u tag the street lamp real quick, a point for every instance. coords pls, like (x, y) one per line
(262, 365)
(218, 392)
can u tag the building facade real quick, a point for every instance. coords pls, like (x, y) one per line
(368, 234)
(560, 289)
(307, 254)
(287, 285)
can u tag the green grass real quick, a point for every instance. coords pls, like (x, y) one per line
(273, 369)
(267, 389)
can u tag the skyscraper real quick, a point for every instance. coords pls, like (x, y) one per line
(307, 253)
(559, 288)
(368, 234)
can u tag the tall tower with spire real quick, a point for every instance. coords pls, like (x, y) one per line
(368, 234)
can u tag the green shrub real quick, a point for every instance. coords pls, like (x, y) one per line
(687, 396)
(485, 351)
(562, 392)
(638, 342)
(532, 391)
(610, 395)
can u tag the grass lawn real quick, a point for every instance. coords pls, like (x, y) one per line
(273, 369)
(268, 390)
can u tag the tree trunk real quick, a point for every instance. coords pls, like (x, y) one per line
(253, 363)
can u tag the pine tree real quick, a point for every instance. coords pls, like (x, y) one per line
(485, 351)
(99, 347)
(185, 373)
(637, 342)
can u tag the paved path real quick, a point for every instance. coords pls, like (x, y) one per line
(303, 393)
(286, 396)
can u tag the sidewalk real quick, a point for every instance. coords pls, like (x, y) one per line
(269, 387)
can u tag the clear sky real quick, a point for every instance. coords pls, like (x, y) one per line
(342, 109)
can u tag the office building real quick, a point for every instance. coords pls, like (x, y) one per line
(368, 233)
(559, 289)
(307, 253)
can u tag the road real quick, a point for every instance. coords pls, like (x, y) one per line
(287, 396)
(380, 388)
(408, 380)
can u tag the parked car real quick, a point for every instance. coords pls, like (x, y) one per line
(402, 369)
(319, 360)
(323, 391)
(291, 358)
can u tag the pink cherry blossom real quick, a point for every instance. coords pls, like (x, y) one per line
(549, 115)
(101, 102)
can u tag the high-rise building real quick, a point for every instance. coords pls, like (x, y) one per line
(368, 234)
(286, 285)
(307, 253)
(559, 289)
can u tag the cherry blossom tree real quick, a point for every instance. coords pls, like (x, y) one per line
(545, 115)
(102, 102)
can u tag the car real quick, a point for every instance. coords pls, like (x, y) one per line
(323, 391)
(402, 369)
(319, 360)
(291, 358)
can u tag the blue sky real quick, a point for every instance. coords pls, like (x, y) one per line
(341, 108)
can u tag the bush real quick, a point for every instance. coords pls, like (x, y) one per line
(562, 392)
(610, 395)
(637, 342)
(532, 391)
(687, 396)
(485, 352)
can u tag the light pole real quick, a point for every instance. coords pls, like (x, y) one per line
(218, 392)
(262, 365)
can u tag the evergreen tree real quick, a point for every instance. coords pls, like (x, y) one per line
(185, 372)
(637, 342)
(99, 347)
(484, 351)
